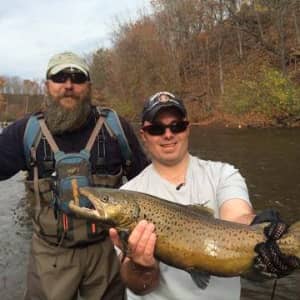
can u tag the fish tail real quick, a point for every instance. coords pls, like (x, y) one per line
(294, 230)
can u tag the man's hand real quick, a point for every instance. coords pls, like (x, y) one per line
(139, 269)
(141, 243)
(270, 261)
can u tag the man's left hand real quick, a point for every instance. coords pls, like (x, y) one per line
(270, 261)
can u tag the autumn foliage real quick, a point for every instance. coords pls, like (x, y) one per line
(222, 57)
(235, 62)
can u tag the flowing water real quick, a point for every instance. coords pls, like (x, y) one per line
(267, 158)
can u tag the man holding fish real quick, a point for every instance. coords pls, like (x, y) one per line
(171, 246)
(178, 176)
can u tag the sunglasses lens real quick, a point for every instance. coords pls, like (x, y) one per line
(78, 78)
(159, 129)
(59, 77)
(155, 129)
(62, 77)
(179, 127)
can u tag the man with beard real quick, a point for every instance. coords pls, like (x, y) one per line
(69, 139)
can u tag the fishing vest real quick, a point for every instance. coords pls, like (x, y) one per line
(49, 197)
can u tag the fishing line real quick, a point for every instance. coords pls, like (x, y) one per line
(273, 290)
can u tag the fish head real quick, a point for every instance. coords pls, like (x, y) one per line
(111, 207)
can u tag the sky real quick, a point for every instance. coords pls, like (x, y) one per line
(32, 31)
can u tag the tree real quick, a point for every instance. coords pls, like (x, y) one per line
(2, 99)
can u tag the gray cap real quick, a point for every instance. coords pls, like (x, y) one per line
(64, 60)
(161, 100)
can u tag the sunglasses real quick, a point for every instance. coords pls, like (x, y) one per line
(160, 129)
(75, 77)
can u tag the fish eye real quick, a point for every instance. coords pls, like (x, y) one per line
(105, 198)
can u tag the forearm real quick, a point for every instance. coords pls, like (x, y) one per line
(237, 210)
(139, 279)
(245, 219)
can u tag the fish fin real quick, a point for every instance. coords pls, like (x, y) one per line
(200, 278)
(202, 209)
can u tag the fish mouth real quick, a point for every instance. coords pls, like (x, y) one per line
(96, 213)
(98, 204)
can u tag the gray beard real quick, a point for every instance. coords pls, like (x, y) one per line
(60, 119)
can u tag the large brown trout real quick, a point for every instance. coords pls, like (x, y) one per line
(187, 236)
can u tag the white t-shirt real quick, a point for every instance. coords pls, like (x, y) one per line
(206, 182)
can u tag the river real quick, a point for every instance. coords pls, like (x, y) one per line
(267, 158)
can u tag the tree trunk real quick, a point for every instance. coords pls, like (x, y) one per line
(220, 60)
(297, 31)
(260, 29)
(281, 32)
(240, 44)
(26, 104)
(207, 66)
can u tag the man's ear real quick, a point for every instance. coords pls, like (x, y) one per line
(189, 129)
(142, 134)
(46, 86)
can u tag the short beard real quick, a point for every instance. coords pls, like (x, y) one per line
(60, 120)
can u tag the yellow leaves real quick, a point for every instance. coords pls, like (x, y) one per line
(269, 93)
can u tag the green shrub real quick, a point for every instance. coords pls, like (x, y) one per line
(270, 93)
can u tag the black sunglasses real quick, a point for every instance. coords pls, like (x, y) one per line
(159, 129)
(75, 77)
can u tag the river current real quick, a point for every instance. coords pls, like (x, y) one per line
(267, 158)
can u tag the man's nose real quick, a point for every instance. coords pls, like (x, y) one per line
(69, 83)
(168, 133)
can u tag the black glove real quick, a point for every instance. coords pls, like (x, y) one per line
(270, 261)
(268, 215)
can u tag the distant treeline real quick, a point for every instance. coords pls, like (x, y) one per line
(232, 61)
(14, 106)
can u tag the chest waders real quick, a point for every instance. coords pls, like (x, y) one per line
(57, 190)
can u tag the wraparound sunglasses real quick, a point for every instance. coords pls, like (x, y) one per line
(75, 77)
(160, 129)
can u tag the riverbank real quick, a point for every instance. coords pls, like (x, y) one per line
(223, 120)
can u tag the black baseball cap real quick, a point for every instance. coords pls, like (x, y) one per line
(161, 100)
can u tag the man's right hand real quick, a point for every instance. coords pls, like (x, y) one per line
(141, 243)
(139, 269)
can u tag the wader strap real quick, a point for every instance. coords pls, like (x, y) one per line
(104, 113)
(94, 134)
(113, 124)
(37, 207)
(110, 132)
(36, 182)
(48, 136)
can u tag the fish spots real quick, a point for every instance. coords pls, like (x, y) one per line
(211, 248)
